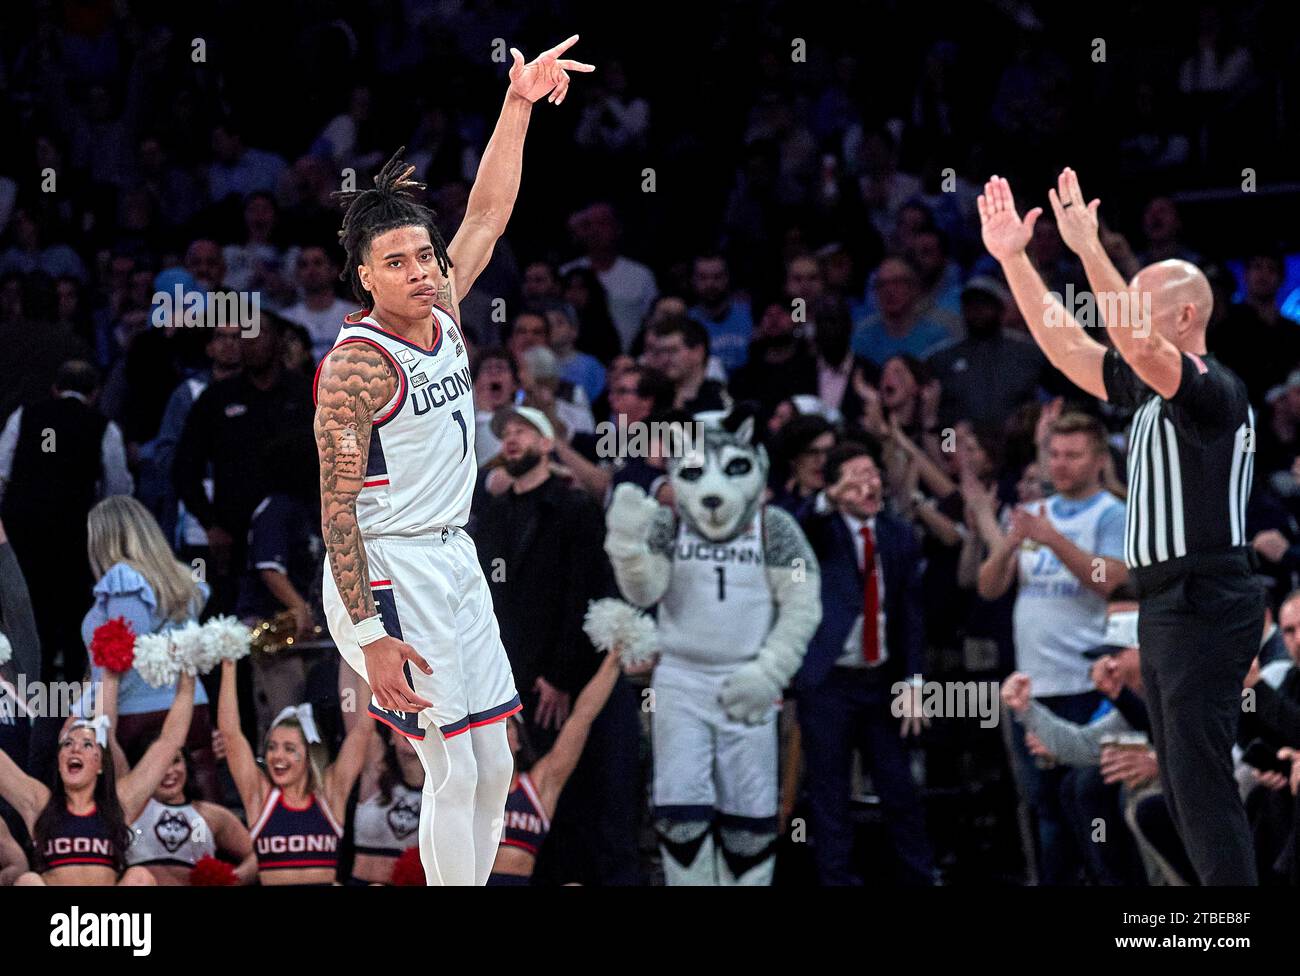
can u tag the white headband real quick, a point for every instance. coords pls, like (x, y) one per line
(303, 715)
(99, 724)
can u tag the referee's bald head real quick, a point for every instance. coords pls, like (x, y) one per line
(1181, 301)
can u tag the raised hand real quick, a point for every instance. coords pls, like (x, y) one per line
(873, 413)
(1106, 678)
(547, 73)
(1075, 220)
(1032, 525)
(1016, 691)
(979, 501)
(1048, 416)
(1005, 234)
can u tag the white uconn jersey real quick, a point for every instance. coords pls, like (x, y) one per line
(1056, 618)
(718, 607)
(420, 471)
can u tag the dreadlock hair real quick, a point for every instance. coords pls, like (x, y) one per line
(390, 205)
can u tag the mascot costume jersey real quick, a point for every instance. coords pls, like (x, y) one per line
(738, 597)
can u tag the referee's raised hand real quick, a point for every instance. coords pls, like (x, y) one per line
(1005, 234)
(1076, 221)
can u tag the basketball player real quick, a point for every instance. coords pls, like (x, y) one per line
(405, 600)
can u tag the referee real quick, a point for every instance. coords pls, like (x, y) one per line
(1190, 464)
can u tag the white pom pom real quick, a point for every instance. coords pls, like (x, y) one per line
(640, 641)
(156, 659)
(6, 650)
(605, 621)
(223, 638)
(614, 625)
(187, 646)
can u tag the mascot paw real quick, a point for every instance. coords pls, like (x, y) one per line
(630, 513)
(749, 695)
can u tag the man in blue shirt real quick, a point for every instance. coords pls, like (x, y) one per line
(727, 316)
(898, 325)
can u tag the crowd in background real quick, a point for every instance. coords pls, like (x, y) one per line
(792, 238)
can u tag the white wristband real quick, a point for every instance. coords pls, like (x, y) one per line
(370, 630)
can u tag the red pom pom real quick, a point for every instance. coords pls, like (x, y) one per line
(407, 869)
(210, 872)
(112, 645)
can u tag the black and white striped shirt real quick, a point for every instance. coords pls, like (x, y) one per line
(1191, 460)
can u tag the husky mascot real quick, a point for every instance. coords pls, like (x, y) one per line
(738, 597)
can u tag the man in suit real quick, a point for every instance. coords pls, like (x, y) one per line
(870, 639)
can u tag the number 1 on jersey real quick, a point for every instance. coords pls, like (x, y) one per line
(464, 433)
(722, 581)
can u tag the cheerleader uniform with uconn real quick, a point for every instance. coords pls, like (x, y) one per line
(412, 509)
(295, 837)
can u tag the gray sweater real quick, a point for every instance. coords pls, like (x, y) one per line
(1072, 744)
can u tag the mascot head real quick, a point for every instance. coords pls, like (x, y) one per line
(718, 480)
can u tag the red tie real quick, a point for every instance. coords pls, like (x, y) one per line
(870, 599)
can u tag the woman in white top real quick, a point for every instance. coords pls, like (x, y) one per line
(387, 818)
(175, 830)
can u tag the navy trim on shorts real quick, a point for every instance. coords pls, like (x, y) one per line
(686, 813)
(498, 880)
(475, 719)
(386, 604)
(754, 825)
(407, 723)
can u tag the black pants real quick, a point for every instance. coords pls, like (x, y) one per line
(851, 710)
(1200, 621)
(1087, 799)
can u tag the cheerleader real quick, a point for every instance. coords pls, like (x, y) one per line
(176, 830)
(290, 803)
(79, 824)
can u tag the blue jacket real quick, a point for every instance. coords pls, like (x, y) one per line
(842, 585)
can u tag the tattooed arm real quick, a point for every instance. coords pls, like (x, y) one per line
(355, 381)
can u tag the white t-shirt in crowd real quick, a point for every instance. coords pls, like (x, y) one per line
(632, 290)
(323, 325)
(1056, 617)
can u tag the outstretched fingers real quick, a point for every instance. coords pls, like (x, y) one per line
(1057, 208)
(1072, 191)
(1006, 200)
(560, 48)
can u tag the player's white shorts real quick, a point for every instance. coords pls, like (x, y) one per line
(431, 593)
(704, 762)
